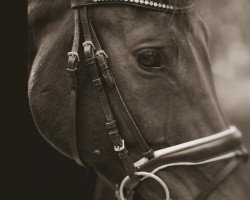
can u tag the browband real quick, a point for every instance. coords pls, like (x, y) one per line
(153, 5)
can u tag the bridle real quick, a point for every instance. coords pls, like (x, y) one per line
(221, 146)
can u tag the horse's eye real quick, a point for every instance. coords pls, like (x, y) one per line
(150, 58)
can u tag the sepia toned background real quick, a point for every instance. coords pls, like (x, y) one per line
(229, 25)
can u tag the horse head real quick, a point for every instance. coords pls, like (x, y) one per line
(138, 82)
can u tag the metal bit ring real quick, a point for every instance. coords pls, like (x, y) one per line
(146, 175)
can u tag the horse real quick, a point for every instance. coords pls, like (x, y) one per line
(126, 87)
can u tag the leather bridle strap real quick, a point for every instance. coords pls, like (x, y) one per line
(89, 36)
(114, 90)
(73, 62)
(111, 125)
(218, 179)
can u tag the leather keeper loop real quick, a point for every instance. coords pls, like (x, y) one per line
(97, 82)
(103, 66)
(114, 134)
(90, 61)
(88, 49)
(108, 78)
(71, 72)
(116, 139)
(149, 154)
(101, 61)
(111, 125)
(123, 154)
(72, 65)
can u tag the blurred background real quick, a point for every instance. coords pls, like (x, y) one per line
(229, 25)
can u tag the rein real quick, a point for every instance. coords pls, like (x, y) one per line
(221, 146)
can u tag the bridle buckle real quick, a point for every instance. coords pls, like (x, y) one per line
(87, 43)
(72, 63)
(74, 54)
(101, 52)
(120, 148)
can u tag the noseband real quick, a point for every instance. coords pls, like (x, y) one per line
(221, 146)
